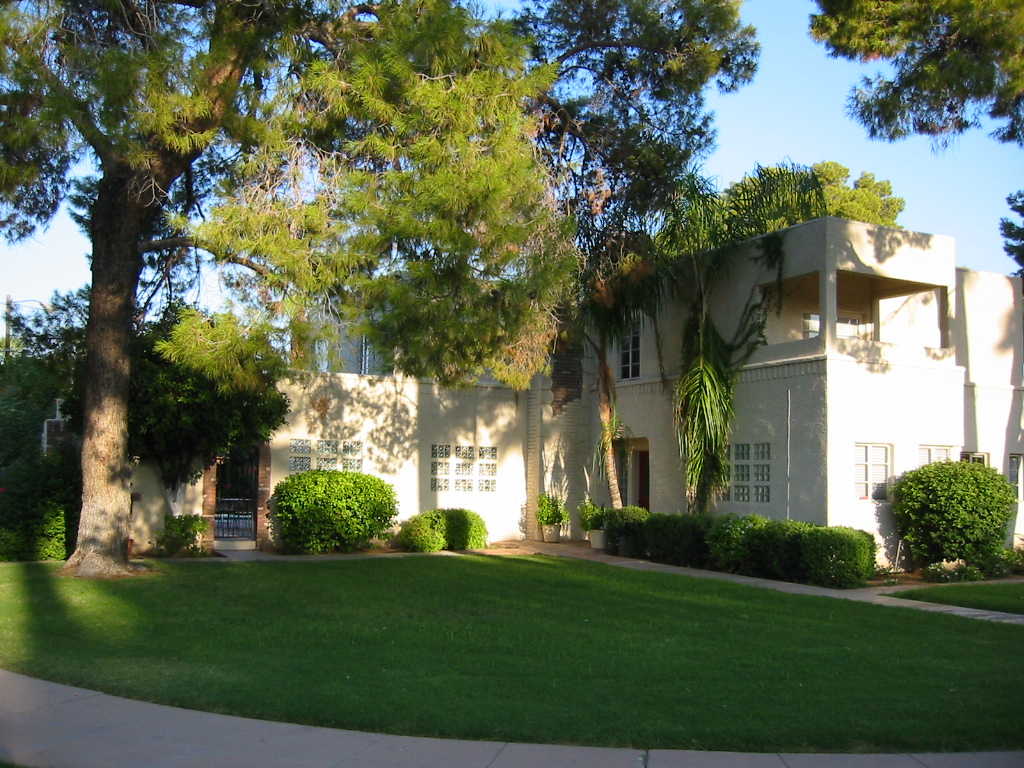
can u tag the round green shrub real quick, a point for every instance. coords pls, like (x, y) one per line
(776, 551)
(452, 529)
(591, 515)
(40, 501)
(424, 532)
(678, 539)
(464, 530)
(326, 510)
(953, 510)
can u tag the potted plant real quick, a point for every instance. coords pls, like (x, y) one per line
(551, 515)
(592, 521)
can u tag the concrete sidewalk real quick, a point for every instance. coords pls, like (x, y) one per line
(47, 725)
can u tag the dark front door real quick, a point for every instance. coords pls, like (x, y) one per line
(237, 489)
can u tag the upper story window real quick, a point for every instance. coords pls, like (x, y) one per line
(1014, 473)
(974, 457)
(629, 354)
(847, 326)
(929, 454)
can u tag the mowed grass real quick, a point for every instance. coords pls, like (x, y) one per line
(526, 649)
(1006, 597)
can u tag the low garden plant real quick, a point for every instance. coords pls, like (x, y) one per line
(551, 510)
(181, 536)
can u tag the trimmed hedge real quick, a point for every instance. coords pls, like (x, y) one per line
(324, 510)
(678, 539)
(452, 529)
(752, 545)
(624, 529)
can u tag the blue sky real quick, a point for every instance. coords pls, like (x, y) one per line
(794, 111)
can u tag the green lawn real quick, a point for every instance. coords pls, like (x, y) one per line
(528, 649)
(1007, 597)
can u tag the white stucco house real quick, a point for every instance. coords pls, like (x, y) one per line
(885, 356)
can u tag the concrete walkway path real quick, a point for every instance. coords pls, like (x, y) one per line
(48, 725)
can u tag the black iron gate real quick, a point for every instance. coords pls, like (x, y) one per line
(237, 489)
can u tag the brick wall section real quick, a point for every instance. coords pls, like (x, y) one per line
(263, 497)
(209, 505)
(566, 377)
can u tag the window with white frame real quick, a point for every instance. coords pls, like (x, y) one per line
(848, 326)
(1013, 473)
(629, 354)
(750, 473)
(872, 467)
(930, 454)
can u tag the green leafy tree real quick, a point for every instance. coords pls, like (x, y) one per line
(1014, 233)
(373, 159)
(618, 128)
(952, 63)
(867, 199)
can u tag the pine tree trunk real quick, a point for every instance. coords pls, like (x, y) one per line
(118, 218)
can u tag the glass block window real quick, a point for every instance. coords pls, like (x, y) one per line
(327, 446)
(352, 465)
(467, 452)
(487, 486)
(743, 471)
(326, 463)
(300, 446)
(440, 451)
(298, 464)
(439, 468)
(464, 468)
(488, 453)
(352, 447)
(439, 483)
(463, 485)
(487, 469)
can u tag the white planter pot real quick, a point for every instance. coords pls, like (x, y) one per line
(552, 534)
(598, 538)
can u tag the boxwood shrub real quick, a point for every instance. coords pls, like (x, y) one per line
(841, 558)
(775, 549)
(624, 529)
(678, 539)
(324, 510)
(453, 529)
(729, 541)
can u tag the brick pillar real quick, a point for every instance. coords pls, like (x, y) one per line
(209, 505)
(263, 491)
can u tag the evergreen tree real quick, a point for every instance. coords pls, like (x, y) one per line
(1014, 233)
(373, 159)
(619, 128)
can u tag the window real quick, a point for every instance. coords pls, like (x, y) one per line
(872, 468)
(974, 458)
(629, 355)
(929, 454)
(473, 468)
(847, 327)
(1013, 475)
(750, 473)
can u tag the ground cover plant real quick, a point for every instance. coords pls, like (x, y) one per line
(527, 649)
(1007, 597)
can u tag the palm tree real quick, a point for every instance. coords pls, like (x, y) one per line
(703, 233)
